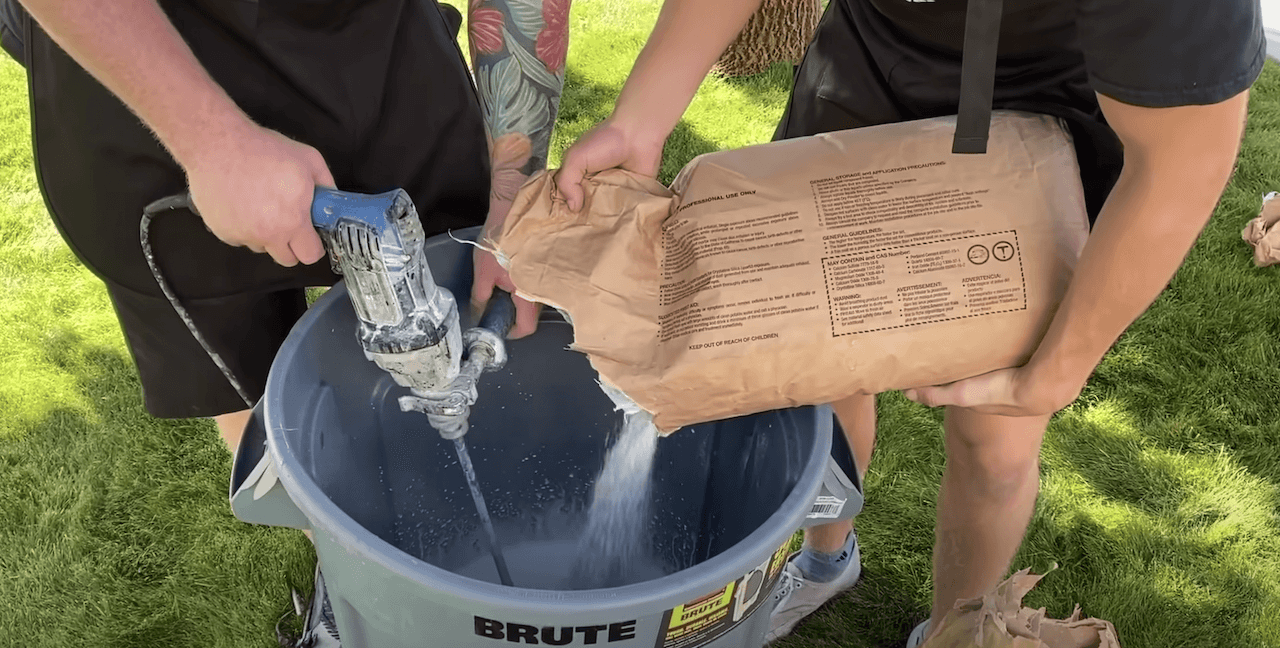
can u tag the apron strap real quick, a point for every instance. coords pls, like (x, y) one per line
(977, 75)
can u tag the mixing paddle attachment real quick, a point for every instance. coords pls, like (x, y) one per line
(448, 411)
(464, 459)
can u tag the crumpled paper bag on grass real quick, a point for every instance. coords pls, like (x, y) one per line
(1263, 234)
(804, 271)
(998, 620)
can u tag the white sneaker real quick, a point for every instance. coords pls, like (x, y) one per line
(796, 597)
(918, 634)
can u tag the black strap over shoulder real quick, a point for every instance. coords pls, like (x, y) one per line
(977, 75)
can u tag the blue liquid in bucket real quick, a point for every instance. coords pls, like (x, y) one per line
(565, 546)
(547, 564)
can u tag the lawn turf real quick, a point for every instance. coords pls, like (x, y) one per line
(1160, 495)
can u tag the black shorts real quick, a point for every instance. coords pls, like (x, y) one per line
(379, 87)
(860, 70)
(12, 23)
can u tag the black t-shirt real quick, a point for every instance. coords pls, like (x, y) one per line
(1154, 53)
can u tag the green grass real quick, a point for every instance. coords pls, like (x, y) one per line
(1161, 485)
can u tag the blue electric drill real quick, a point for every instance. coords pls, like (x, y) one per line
(409, 325)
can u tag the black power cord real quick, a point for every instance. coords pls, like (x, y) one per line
(181, 201)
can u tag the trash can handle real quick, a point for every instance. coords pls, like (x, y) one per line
(840, 497)
(257, 496)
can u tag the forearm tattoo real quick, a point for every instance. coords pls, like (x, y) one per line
(518, 49)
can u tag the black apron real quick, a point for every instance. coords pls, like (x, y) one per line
(379, 87)
(861, 70)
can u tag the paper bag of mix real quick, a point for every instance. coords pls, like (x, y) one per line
(804, 271)
(998, 620)
(1263, 234)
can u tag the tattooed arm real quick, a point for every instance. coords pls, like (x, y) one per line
(518, 51)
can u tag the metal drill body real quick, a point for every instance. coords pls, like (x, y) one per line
(409, 325)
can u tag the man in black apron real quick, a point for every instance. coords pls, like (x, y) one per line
(1154, 93)
(254, 103)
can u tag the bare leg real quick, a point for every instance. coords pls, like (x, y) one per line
(857, 415)
(988, 493)
(231, 426)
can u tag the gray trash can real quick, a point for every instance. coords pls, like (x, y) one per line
(393, 522)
